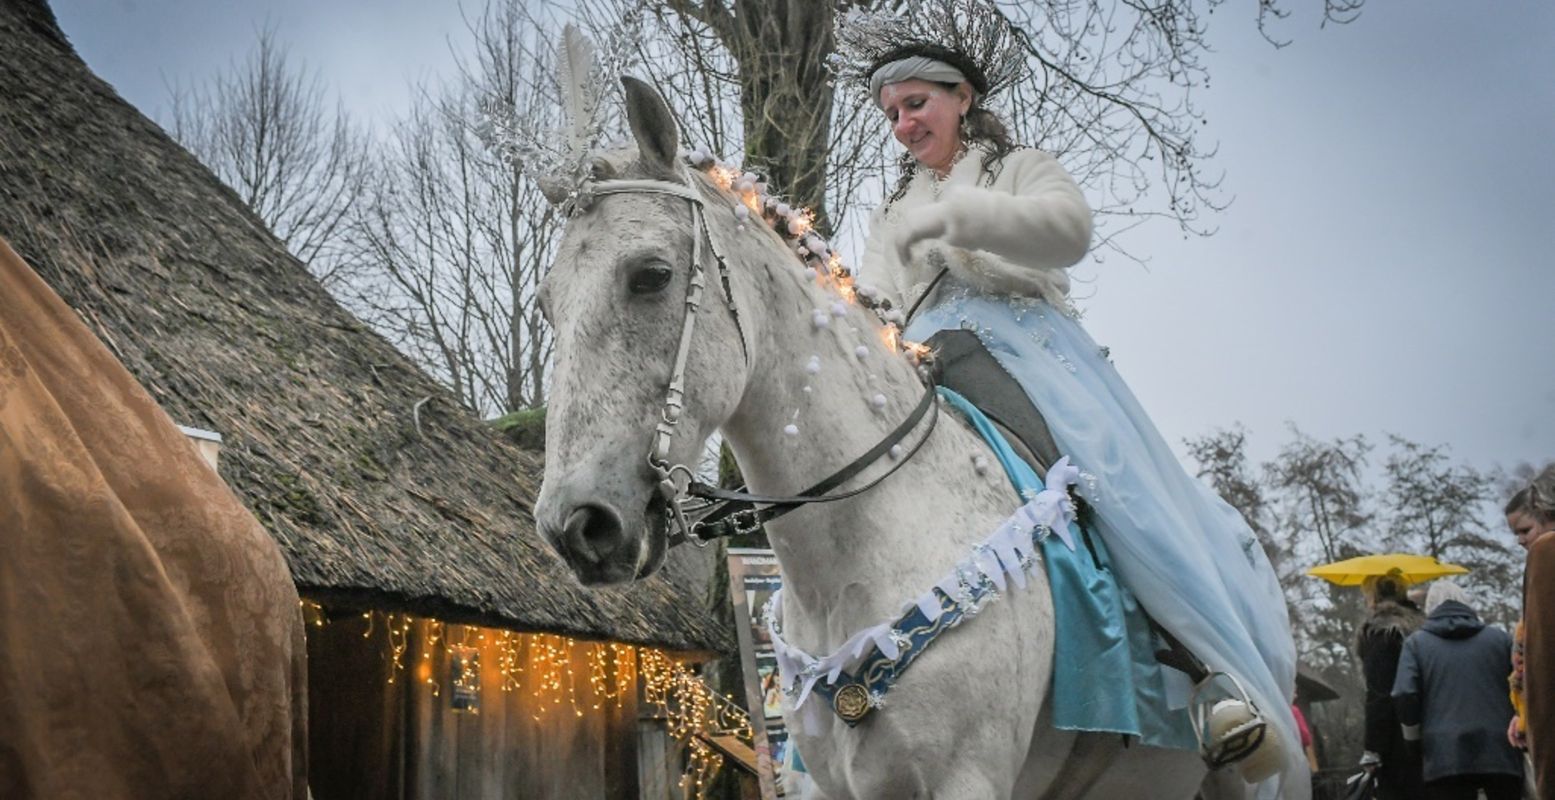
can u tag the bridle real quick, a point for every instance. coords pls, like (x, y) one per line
(702, 513)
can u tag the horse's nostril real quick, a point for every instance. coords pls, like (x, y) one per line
(595, 531)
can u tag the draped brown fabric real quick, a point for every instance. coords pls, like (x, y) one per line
(1539, 660)
(151, 644)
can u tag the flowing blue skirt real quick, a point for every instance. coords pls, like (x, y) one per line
(1190, 559)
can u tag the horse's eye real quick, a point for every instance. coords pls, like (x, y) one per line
(649, 277)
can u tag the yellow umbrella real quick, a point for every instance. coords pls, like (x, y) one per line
(1410, 568)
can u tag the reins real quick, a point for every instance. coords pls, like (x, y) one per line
(728, 512)
(736, 512)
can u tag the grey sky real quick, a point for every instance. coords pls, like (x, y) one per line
(1384, 267)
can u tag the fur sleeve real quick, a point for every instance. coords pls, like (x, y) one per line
(878, 269)
(1034, 218)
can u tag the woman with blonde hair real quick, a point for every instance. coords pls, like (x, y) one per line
(1380, 643)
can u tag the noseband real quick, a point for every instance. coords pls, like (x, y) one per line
(701, 513)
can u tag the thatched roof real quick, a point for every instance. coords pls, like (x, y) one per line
(230, 333)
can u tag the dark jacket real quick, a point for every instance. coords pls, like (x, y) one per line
(1452, 690)
(1379, 643)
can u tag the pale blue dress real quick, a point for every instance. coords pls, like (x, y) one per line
(1190, 559)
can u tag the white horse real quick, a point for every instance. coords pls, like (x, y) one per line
(967, 721)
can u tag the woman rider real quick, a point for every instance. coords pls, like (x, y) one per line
(978, 235)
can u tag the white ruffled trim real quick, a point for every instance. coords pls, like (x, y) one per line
(1004, 556)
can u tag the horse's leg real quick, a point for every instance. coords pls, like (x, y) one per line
(1067, 766)
(1225, 784)
(1139, 771)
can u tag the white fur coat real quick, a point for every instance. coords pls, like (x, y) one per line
(1017, 234)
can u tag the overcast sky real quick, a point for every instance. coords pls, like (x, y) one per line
(1384, 266)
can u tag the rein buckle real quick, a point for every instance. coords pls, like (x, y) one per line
(745, 522)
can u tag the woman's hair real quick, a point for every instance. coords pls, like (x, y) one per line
(1541, 496)
(979, 126)
(1443, 590)
(1518, 504)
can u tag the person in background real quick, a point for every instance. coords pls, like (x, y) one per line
(1452, 699)
(1305, 731)
(1521, 524)
(1381, 639)
(1539, 633)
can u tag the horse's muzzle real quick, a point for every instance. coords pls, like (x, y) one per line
(595, 544)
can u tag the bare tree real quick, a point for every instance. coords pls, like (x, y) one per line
(1112, 98)
(454, 238)
(1437, 508)
(1323, 491)
(266, 130)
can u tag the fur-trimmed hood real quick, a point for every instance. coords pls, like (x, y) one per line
(1390, 621)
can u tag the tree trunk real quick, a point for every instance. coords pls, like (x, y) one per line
(785, 95)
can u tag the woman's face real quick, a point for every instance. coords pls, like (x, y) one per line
(1524, 527)
(926, 118)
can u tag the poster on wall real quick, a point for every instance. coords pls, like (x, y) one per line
(771, 685)
(777, 740)
(464, 679)
(753, 577)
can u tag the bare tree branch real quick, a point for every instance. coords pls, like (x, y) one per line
(265, 129)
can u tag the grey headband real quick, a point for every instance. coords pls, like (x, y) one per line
(921, 67)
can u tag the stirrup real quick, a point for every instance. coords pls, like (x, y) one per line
(1232, 730)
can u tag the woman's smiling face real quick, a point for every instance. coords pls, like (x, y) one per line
(926, 118)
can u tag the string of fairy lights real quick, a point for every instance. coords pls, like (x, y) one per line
(796, 225)
(544, 666)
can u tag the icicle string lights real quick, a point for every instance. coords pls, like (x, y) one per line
(547, 667)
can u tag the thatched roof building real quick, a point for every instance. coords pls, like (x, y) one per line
(382, 492)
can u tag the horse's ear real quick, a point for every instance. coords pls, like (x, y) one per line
(652, 124)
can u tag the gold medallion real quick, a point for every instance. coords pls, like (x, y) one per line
(851, 702)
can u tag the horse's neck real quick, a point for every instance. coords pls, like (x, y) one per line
(844, 562)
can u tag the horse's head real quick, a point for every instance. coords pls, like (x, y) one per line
(616, 297)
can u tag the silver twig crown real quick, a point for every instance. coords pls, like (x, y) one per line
(971, 35)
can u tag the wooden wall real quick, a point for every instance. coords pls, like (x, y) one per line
(370, 738)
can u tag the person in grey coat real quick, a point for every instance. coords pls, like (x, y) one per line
(1451, 694)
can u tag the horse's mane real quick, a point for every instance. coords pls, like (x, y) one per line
(626, 164)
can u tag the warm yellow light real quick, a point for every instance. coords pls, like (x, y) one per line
(802, 223)
(723, 176)
(542, 664)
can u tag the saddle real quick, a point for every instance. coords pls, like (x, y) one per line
(963, 364)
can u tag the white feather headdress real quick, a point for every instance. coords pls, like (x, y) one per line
(586, 86)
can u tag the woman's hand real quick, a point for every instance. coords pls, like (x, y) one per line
(1515, 735)
(924, 222)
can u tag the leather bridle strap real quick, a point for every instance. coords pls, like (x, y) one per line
(674, 397)
(737, 512)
